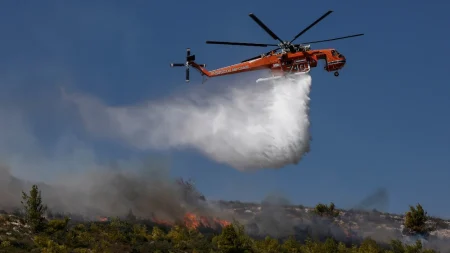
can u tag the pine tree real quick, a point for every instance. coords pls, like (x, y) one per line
(415, 220)
(34, 209)
(131, 216)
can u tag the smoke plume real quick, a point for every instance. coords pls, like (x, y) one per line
(148, 191)
(250, 126)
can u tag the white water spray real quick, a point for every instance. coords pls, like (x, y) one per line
(264, 125)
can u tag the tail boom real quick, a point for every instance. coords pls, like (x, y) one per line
(246, 66)
(233, 69)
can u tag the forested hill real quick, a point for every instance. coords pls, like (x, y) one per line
(232, 227)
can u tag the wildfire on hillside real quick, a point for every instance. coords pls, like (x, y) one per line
(103, 219)
(194, 221)
(191, 221)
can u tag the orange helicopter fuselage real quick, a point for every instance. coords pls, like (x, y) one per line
(282, 63)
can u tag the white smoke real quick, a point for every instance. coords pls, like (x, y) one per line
(252, 126)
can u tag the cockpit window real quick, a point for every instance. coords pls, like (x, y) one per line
(336, 53)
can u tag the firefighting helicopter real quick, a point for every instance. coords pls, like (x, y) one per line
(292, 59)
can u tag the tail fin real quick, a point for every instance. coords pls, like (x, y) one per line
(189, 58)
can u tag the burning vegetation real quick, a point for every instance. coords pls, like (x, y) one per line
(30, 230)
(191, 220)
(194, 221)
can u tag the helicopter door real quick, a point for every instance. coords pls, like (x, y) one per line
(302, 65)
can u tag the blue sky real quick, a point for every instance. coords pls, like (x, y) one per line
(382, 123)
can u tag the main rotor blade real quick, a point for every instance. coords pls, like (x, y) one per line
(311, 25)
(260, 23)
(240, 43)
(338, 38)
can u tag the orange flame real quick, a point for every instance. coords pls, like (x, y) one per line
(103, 219)
(194, 221)
(162, 222)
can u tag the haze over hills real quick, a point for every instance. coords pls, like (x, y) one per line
(165, 201)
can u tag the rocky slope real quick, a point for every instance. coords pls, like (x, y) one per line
(349, 226)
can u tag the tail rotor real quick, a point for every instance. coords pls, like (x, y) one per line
(189, 58)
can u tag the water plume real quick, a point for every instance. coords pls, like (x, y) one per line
(248, 126)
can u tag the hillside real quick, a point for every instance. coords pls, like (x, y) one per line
(130, 233)
(126, 214)
(348, 225)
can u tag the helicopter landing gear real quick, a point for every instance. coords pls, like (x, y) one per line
(336, 74)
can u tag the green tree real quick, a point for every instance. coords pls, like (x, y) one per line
(268, 245)
(34, 209)
(291, 245)
(131, 216)
(325, 210)
(397, 246)
(330, 245)
(415, 220)
(233, 240)
(187, 239)
(370, 246)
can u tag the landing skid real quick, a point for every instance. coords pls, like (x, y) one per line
(289, 76)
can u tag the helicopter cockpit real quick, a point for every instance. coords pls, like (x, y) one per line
(336, 54)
